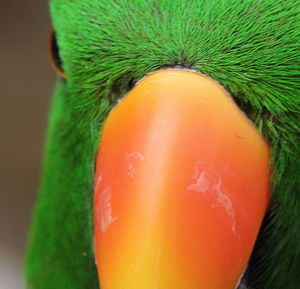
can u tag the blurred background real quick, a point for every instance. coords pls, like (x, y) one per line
(26, 82)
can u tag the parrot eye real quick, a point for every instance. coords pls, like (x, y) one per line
(55, 59)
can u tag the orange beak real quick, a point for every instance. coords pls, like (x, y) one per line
(181, 187)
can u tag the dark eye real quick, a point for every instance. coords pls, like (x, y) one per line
(55, 59)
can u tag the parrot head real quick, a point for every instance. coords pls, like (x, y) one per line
(172, 157)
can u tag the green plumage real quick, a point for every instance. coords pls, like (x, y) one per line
(251, 47)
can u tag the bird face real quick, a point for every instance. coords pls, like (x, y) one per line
(164, 131)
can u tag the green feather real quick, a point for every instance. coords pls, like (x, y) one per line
(251, 47)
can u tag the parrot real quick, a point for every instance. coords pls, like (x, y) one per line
(172, 155)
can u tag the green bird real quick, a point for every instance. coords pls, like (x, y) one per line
(168, 186)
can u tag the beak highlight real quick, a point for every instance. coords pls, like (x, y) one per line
(181, 187)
